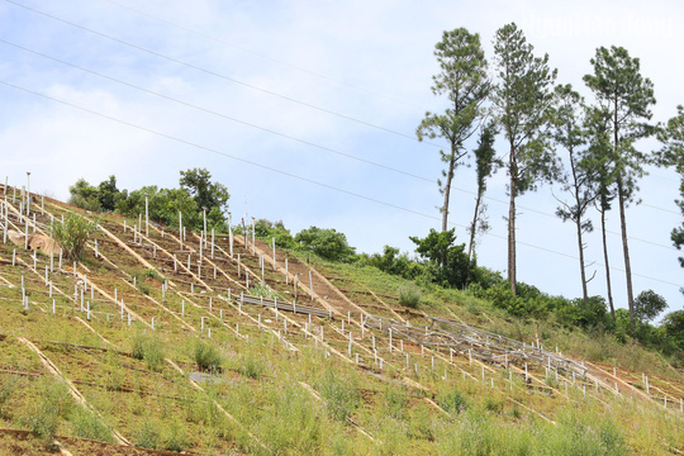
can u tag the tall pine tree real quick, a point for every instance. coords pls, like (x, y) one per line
(625, 98)
(522, 99)
(463, 79)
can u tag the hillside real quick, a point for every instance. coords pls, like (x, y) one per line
(156, 343)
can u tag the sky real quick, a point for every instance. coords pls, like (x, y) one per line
(307, 110)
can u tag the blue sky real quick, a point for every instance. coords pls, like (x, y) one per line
(323, 99)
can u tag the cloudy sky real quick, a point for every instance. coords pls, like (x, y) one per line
(306, 111)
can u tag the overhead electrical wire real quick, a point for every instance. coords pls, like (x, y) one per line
(261, 55)
(289, 137)
(284, 173)
(222, 76)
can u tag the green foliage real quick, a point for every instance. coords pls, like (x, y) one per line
(648, 305)
(84, 195)
(522, 98)
(452, 400)
(206, 356)
(87, 425)
(72, 235)
(263, 290)
(195, 193)
(409, 296)
(251, 367)
(163, 205)
(108, 194)
(393, 262)
(447, 264)
(207, 194)
(396, 401)
(486, 164)
(8, 386)
(267, 230)
(148, 348)
(326, 243)
(673, 324)
(624, 101)
(529, 302)
(463, 79)
(577, 313)
(672, 154)
(52, 403)
(148, 435)
(341, 395)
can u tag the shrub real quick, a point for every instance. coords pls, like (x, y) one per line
(251, 367)
(150, 349)
(326, 243)
(206, 356)
(52, 403)
(342, 396)
(72, 235)
(453, 401)
(409, 296)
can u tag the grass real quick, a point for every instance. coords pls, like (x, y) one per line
(409, 296)
(150, 349)
(259, 382)
(206, 356)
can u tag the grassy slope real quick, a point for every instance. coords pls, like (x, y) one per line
(267, 397)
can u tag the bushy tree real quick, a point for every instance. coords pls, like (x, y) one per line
(108, 194)
(207, 194)
(392, 261)
(447, 263)
(84, 195)
(267, 230)
(673, 324)
(326, 243)
(648, 305)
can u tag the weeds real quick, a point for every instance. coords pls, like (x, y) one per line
(51, 404)
(409, 296)
(87, 425)
(150, 349)
(453, 401)
(251, 367)
(341, 395)
(206, 356)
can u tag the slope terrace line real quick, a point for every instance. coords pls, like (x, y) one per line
(54, 370)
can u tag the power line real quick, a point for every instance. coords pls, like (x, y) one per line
(292, 138)
(223, 76)
(262, 55)
(218, 114)
(284, 173)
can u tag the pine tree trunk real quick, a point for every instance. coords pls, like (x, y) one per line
(583, 273)
(605, 259)
(473, 226)
(511, 222)
(625, 251)
(447, 191)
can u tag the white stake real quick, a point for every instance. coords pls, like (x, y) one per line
(311, 285)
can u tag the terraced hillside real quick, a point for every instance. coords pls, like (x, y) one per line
(221, 344)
